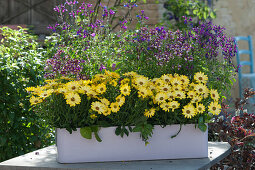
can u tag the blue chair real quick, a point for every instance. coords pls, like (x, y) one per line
(245, 78)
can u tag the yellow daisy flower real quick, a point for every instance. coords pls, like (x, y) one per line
(85, 89)
(170, 96)
(120, 100)
(196, 99)
(189, 111)
(130, 74)
(175, 81)
(200, 77)
(165, 88)
(62, 90)
(98, 107)
(125, 81)
(46, 93)
(85, 82)
(159, 83)
(214, 108)
(180, 94)
(165, 106)
(72, 86)
(192, 86)
(125, 89)
(93, 116)
(115, 107)
(166, 78)
(107, 112)
(177, 88)
(72, 99)
(214, 94)
(154, 80)
(174, 105)
(30, 89)
(100, 88)
(191, 94)
(200, 88)
(112, 74)
(144, 92)
(152, 86)
(184, 79)
(35, 100)
(150, 112)
(200, 108)
(113, 83)
(141, 81)
(160, 97)
(105, 101)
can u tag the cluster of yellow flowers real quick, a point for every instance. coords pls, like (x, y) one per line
(165, 92)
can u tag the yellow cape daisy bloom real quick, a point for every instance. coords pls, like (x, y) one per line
(200, 77)
(200, 108)
(46, 93)
(143, 92)
(72, 98)
(189, 111)
(214, 108)
(150, 112)
(72, 86)
(174, 105)
(100, 88)
(125, 89)
(166, 78)
(200, 88)
(115, 107)
(99, 107)
(165, 106)
(214, 94)
(105, 101)
(85, 89)
(141, 81)
(35, 100)
(120, 100)
(160, 97)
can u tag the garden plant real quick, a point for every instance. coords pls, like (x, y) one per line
(127, 78)
(239, 131)
(21, 66)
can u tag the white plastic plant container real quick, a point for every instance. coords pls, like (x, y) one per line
(191, 142)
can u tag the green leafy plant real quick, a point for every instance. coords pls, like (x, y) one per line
(197, 10)
(21, 65)
(239, 131)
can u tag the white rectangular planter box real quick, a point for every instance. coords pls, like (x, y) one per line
(191, 142)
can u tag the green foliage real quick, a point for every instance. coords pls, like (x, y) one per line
(21, 130)
(197, 10)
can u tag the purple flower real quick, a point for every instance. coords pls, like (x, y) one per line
(93, 34)
(112, 12)
(113, 67)
(102, 67)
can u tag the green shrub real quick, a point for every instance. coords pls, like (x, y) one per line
(21, 130)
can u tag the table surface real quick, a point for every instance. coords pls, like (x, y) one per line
(45, 159)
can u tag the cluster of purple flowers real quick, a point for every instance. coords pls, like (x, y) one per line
(62, 65)
(204, 41)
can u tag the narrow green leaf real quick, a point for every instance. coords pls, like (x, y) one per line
(97, 137)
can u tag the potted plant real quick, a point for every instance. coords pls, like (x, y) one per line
(162, 87)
